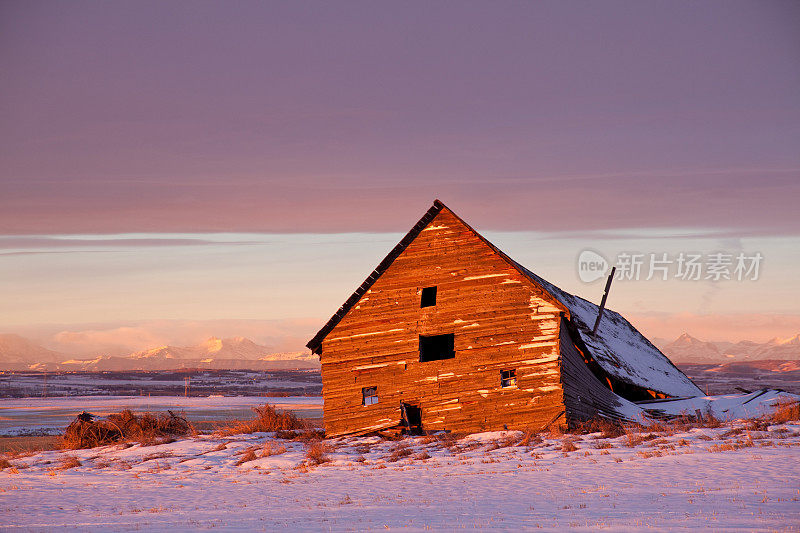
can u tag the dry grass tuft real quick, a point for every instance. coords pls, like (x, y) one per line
(270, 449)
(5, 463)
(267, 419)
(146, 428)
(568, 445)
(361, 449)
(306, 435)
(647, 454)
(530, 438)
(608, 428)
(729, 446)
(317, 453)
(633, 438)
(69, 461)
(785, 411)
(247, 456)
(399, 451)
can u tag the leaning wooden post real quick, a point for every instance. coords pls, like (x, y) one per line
(603, 301)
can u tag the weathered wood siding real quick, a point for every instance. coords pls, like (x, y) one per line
(500, 320)
(585, 396)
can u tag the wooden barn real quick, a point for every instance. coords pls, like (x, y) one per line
(449, 333)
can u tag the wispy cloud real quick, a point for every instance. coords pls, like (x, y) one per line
(101, 241)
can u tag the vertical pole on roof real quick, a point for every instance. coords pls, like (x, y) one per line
(603, 301)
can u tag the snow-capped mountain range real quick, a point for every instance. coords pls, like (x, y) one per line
(688, 349)
(19, 353)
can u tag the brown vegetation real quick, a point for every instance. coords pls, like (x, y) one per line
(69, 461)
(786, 412)
(306, 435)
(270, 449)
(317, 453)
(247, 456)
(146, 428)
(399, 451)
(568, 445)
(267, 419)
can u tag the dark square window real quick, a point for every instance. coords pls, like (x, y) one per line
(369, 395)
(436, 347)
(508, 378)
(428, 298)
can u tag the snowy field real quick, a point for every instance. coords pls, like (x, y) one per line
(741, 476)
(49, 416)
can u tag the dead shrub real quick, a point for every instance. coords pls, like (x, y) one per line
(648, 454)
(69, 461)
(159, 455)
(247, 456)
(445, 440)
(268, 419)
(608, 428)
(602, 445)
(398, 452)
(428, 439)
(317, 453)
(785, 411)
(306, 435)
(757, 425)
(709, 420)
(363, 448)
(568, 445)
(530, 438)
(269, 450)
(731, 433)
(147, 428)
(633, 439)
(729, 446)
(422, 456)
(4, 463)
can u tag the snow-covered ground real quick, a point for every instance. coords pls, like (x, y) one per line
(739, 476)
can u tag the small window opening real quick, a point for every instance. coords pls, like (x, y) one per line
(369, 395)
(508, 378)
(436, 347)
(428, 298)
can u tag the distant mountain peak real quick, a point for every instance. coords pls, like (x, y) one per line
(781, 342)
(688, 349)
(686, 339)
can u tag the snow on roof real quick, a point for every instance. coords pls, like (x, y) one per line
(619, 348)
(727, 407)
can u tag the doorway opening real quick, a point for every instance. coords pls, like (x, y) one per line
(411, 418)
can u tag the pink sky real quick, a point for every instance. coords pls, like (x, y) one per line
(581, 119)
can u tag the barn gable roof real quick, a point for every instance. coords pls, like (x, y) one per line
(315, 344)
(619, 348)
